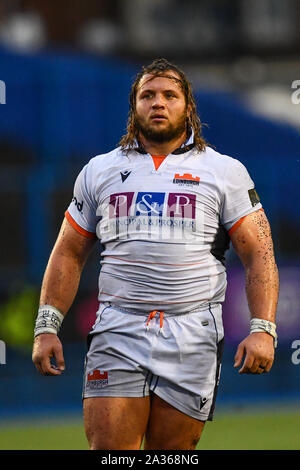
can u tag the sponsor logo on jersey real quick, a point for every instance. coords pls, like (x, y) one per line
(181, 205)
(78, 204)
(254, 198)
(124, 175)
(150, 204)
(151, 215)
(119, 204)
(186, 178)
(97, 379)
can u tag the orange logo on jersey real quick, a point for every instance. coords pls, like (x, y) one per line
(186, 178)
(96, 375)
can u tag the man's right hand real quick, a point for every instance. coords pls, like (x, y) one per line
(45, 347)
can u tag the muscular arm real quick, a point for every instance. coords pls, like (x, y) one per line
(63, 272)
(59, 287)
(253, 243)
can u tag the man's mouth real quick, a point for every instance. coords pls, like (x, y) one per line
(158, 117)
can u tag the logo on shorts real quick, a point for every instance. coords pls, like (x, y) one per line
(203, 401)
(186, 178)
(97, 379)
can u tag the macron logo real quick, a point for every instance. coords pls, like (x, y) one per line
(124, 175)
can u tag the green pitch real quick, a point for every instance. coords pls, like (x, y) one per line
(229, 431)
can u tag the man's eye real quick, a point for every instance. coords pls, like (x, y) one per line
(170, 95)
(147, 96)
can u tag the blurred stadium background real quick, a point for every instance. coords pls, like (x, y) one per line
(66, 69)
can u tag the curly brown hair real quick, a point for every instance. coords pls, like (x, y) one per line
(159, 67)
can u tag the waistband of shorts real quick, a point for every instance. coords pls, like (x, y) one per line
(199, 308)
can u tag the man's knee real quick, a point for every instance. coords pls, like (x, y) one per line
(171, 442)
(175, 440)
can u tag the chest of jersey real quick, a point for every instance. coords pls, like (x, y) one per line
(165, 204)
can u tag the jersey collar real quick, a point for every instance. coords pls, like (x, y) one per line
(185, 147)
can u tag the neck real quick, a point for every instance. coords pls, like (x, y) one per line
(164, 148)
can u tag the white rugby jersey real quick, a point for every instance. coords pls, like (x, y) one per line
(164, 231)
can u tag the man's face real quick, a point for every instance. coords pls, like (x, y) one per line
(161, 109)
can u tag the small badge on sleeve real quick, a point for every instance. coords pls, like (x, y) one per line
(254, 197)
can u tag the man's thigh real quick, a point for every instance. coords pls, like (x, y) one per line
(115, 423)
(169, 428)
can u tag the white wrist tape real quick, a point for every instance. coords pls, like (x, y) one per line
(49, 320)
(259, 325)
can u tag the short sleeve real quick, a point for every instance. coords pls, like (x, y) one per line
(239, 197)
(82, 211)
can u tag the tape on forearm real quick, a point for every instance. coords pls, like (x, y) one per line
(260, 325)
(49, 320)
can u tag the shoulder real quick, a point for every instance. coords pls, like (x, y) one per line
(225, 167)
(221, 161)
(103, 163)
(97, 169)
(229, 173)
(105, 160)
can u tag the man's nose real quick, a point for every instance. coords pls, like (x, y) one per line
(158, 102)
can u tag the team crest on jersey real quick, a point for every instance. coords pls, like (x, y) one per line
(186, 178)
(96, 379)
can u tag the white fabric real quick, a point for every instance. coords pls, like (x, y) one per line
(180, 362)
(159, 227)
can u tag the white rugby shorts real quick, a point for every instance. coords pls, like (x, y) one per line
(177, 357)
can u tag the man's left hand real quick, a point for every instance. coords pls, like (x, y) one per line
(258, 352)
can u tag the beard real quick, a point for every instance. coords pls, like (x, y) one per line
(153, 133)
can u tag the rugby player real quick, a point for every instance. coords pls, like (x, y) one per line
(165, 206)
